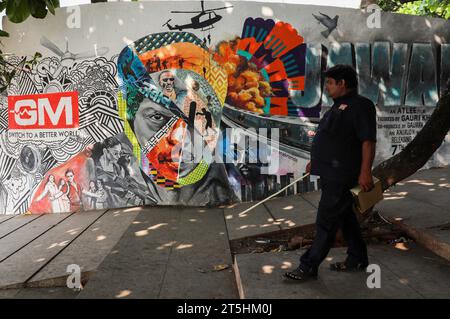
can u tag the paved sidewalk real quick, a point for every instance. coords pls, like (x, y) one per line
(278, 213)
(174, 252)
(36, 250)
(168, 253)
(420, 205)
(412, 273)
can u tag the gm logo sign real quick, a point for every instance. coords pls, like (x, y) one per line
(43, 111)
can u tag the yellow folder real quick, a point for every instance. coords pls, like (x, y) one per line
(366, 200)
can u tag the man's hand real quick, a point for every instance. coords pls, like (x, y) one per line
(365, 180)
(308, 167)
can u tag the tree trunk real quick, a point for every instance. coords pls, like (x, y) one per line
(365, 3)
(420, 149)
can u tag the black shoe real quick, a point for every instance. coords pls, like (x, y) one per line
(301, 275)
(344, 267)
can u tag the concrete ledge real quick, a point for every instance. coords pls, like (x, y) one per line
(427, 239)
(414, 273)
(237, 276)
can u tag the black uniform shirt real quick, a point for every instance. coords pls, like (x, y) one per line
(336, 151)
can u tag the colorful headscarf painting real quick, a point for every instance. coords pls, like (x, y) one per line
(174, 94)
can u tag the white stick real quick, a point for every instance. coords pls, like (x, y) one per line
(273, 195)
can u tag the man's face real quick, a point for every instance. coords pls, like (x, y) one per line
(149, 119)
(165, 156)
(335, 88)
(166, 81)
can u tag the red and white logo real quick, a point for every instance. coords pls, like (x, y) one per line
(43, 111)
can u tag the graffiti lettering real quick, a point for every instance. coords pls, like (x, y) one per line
(390, 74)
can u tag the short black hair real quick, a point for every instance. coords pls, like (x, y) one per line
(111, 142)
(343, 72)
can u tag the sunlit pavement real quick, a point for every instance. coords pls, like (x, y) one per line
(169, 252)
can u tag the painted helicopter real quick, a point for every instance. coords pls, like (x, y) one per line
(204, 20)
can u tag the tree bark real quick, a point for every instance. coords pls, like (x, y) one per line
(420, 149)
(365, 3)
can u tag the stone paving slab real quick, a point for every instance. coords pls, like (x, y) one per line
(257, 221)
(136, 266)
(431, 186)
(203, 245)
(415, 273)
(12, 224)
(20, 238)
(4, 218)
(88, 250)
(166, 253)
(312, 197)
(420, 205)
(21, 266)
(292, 211)
(45, 293)
(413, 212)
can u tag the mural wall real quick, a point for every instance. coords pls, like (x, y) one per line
(135, 103)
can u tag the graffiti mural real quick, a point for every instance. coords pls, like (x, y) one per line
(29, 152)
(103, 175)
(207, 105)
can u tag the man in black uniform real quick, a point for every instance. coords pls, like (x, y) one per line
(342, 155)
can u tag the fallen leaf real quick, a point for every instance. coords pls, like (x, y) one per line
(221, 267)
(401, 246)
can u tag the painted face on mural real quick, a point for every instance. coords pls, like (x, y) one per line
(113, 153)
(100, 184)
(167, 82)
(70, 176)
(155, 121)
(149, 119)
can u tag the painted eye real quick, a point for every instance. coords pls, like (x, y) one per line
(155, 117)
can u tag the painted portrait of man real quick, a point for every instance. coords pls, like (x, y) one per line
(152, 122)
(169, 119)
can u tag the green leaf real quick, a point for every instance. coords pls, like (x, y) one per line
(4, 33)
(3, 5)
(37, 9)
(52, 5)
(17, 10)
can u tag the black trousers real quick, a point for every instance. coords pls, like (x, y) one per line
(335, 211)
